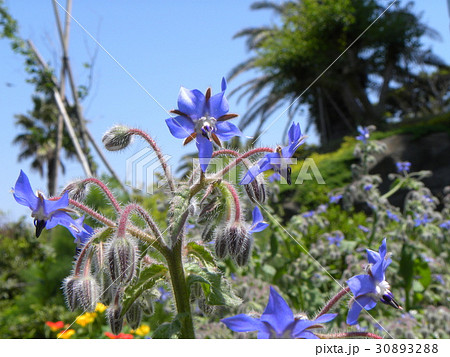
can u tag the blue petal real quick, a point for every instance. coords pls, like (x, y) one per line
(243, 323)
(302, 325)
(357, 306)
(383, 249)
(205, 150)
(325, 318)
(294, 133)
(258, 227)
(257, 215)
(23, 193)
(307, 335)
(250, 175)
(52, 206)
(223, 84)
(191, 102)
(270, 161)
(277, 313)
(373, 257)
(218, 105)
(361, 284)
(59, 217)
(180, 127)
(226, 130)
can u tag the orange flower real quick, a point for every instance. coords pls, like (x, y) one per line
(66, 334)
(119, 336)
(55, 326)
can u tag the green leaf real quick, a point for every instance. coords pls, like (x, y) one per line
(406, 269)
(148, 277)
(422, 269)
(201, 252)
(169, 329)
(216, 288)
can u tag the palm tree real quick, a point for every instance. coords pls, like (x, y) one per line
(38, 139)
(291, 58)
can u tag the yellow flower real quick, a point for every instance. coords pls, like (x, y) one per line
(100, 307)
(66, 334)
(142, 330)
(86, 318)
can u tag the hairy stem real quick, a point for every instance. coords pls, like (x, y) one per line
(158, 153)
(333, 301)
(237, 204)
(242, 157)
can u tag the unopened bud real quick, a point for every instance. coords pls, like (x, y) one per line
(134, 315)
(115, 320)
(204, 307)
(117, 138)
(221, 245)
(242, 258)
(256, 190)
(88, 292)
(77, 190)
(237, 236)
(121, 254)
(70, 293)
(209, 211)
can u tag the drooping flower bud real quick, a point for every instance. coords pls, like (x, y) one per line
(221, 245)
(204, 307)
(209, 211)
(70, 293)
(88, 292)
(117, 138)
(122, 254)
(237, 237)
(134, 315)
(242, 258)
(208, 232)
(77, 190)
(115, 320)
(256, 190)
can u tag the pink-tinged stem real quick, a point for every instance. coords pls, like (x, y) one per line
(80, 258)
(105, 189)
(225, 152)
(237, 204)
(242, 157)
(158, 152)
(90, 212)
(207, 193)
(350, 335)
(333, 301)
(148, 219)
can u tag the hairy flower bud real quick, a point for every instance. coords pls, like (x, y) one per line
(208, 232)
(242, 258)
(221, 245)
(88, 292)
(209, 211)
(70, 293)
(204, 307)
(117, 138)
(237, 237)
(122, 254)
(115, 321)
(256, 190)
(134, 315)
(77, 190)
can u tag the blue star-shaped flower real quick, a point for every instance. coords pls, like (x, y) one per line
(392, 216)
(335, 198)
(277, 321)
(372, 287)
(49, 213)
(335, 238)
(203, 118)
(258, 224)
(403, 166)
(279, 160)
(364, 134)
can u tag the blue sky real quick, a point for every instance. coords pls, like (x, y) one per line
(163, 44)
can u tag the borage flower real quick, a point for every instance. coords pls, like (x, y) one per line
(203, 118)
(364, 134)
(279, 160)
(403, 166)
(49, 213)
(277, 321)
(258, 223)
(368, 289)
